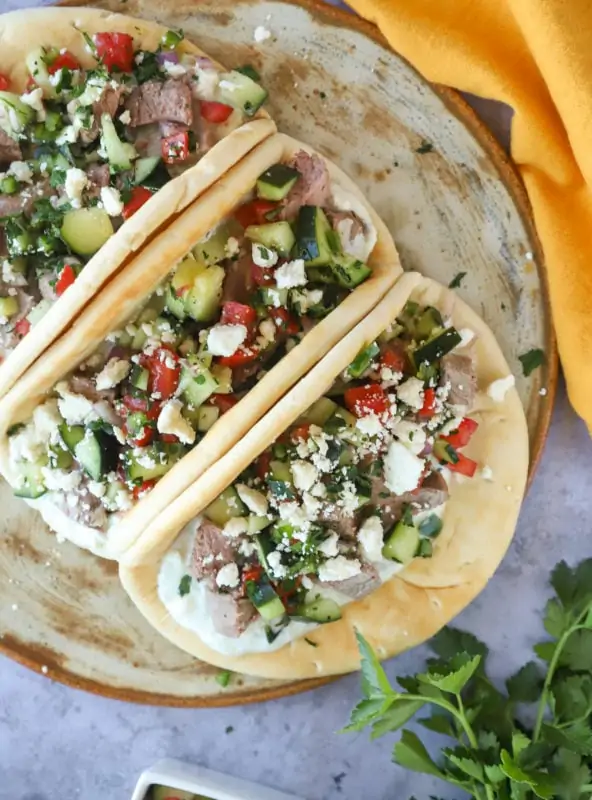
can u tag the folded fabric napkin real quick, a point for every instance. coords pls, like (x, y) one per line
(536, 56)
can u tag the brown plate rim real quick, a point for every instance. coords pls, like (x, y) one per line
(27, 657)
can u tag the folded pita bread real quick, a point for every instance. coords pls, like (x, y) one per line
(21, 32)
(126, 293)
(478, 520)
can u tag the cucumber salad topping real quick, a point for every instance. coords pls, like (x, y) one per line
(232, 307)
(347, 496)
(84, 146)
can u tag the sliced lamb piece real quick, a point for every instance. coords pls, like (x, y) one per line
(459, 372)
(211, 550)
(229, 614)
(10, 149)
(108, 103)
(30, 195)
(368, 580)
(311, 189)
(337, 520)
(238, 281)
(11, 205)
(157, 102)
(390, 505)
(433, 492)
(98, 174)
(84, 385)
(81, 506)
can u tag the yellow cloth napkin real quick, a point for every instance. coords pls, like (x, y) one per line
(536, 56)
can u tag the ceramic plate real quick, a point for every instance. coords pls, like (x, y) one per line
(454, 205)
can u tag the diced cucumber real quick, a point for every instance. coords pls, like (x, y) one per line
(197, 384)
(226, 506)
(445, 452)
(139, 339)
(313, 240)
(8, 307)
(321, 610)
(265, 599)
(157, 178)
(363, 361)
(85, 230)
(212, 250)
(110, 498)
(340, 419)
(402, 544)
(257, 523)
(262, 542)
(139, 378)
(185, 273)
(71, 435)
(276, 182)
(119, 154)
(392, 332)
(321, 411)
(206, 417)
(31, 483)
(349, 271)
(436, 348)
(430, 526)
(280, 471)
(240, 91)
(96, 453)
(426, 549)
(157, 461)
(145, 167)
(224, 377)
(203, 299)
(14, 114)
(272, 297)
(429, 322)
(60, 458)
(174, 304)
(277, 236)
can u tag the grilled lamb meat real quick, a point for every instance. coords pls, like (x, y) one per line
(161, 102)
(459, 372)
(368, 580)
(229, 613)
(211, 551)
(10, 149)
(311, 189)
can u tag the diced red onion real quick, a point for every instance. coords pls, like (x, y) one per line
(167, 55)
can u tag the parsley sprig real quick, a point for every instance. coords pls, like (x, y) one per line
(497, 754)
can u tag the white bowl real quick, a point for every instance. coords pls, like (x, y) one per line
(214, 785)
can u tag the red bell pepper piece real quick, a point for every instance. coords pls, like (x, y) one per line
(139, 196)
(263, 463)
(394, 360)
(244, 355)
(165, 372)
(429, 403)
(22, 327)
(66, 279)
(252, 573)
(223, 401)
(63, 61)
(255, 212)
(115, 50)
(215, 112)
(284, 321)
(4, 82)
(175, 148)
(464, 466)
(368, 399)
(262, 276)
(238, 314)
(462, 435)
(300, 433)
(138, 491)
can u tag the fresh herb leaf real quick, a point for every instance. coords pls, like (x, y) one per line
(424, 147)
(451, 676)
(450, 641)
(310, 642)
(531, 360)
(223, 678)
(185, 585)
(374, 680)
(525, 686)
(397, 715)
(409, 752)
(457, 280)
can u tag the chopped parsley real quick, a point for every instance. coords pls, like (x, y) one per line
(457, 280)
(185, 585)
(310, 642)
(424, 147)
(532, 360)
(223, 678)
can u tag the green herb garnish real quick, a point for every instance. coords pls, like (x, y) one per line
(531, 360)
(457, 280)
(185, 585)
(424, 147)
(223, 678)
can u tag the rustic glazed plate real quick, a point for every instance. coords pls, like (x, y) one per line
(453, 204)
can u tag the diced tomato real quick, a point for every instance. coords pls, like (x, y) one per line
(23, 326)
(394, 360)
(169, 438)
(132, 403)
(165, 372)
(462, 436)
(175, 148)
(4, 82)
(429, 403)
(368, 399)
(262, 276)
(255, 212)
(464, 466)
(138, 491)
(300, 433)
(66, 279)
(139, 438)
(214, 112)
(263, 463)
(116, 50)
(244, 355)
(287, 589)
(284, 321)
(252, 573)
(223, 401)
(238, 314)
(140, 195)
(63, 61)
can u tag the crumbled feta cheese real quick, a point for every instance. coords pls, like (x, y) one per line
(59, 480)
(291, 274)
(224, 340)
(370, 538)
(263, 256)
(486, 473)
(174, 70)
(261, 34)
(24, 445)
(170, 420)
(311, 504)
(34, 99)
(21, 171)
(125, 118)
(228, 576)
(274, 559)
(235, 527)
(123, 500)
(76, 182)
(74, 408)
(112, 202)
(370, 425)
(296, 515)
(9, 275)
(339, 568)
(306, 298)
(267, 330)
(46, 419)
(274, 296)
(255, 501)
(411, 393)
(402, 469)
(69, 134)
(330, 546)
(497, 389)
(305, 475)
(466, 336)
(412, 435)
(307, 583)
(353, 245)
(543, 392)
(245, 548)
(96, 488)
(114, 371)
(207, 83)
(232, 247)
